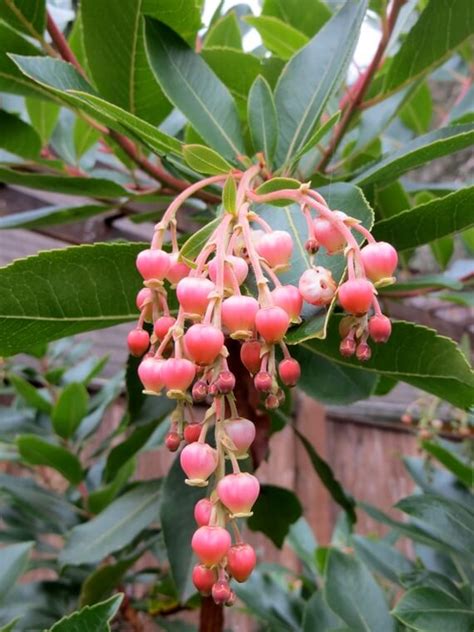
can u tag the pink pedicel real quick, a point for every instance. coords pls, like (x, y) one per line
(289, 371)
(203, 343)
(153, 264)
(380, 260)
(193, 294)
(380, 328)
(235, 271)
(272, 323)
(317, 286)
(276, 248)
(288, 298)
(178, 269)
(138, 342)
(162, 326)
(356, 296)
(250, 356)
(242, 433)
(204, 579)
(202, 512)
(238, 492)
(241, 561)
(238, 315)
(198, 461)
(178, 374)
(150, 374)
(210, 544)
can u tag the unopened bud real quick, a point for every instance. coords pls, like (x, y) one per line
(363, 352)
(173, 441)
(199, 391)
(263, 382)
(225, 382)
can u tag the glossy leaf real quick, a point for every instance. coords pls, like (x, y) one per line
(318, 135)
(431, 282)
(85, 137)
(268, 516)
(440, 29)
(205, 160)
(302, 91)
(412, 355)
(462, 471)
(382, 558)
(433, 610)
(14, 564)
(262, 118)
(76, 289)
(43, 116)
(427, 222)
(308, 16)
(183, 17)
(229, 195)
(446, 140)
(417, 112)
(69, 409)
(102, 581)
(318, 616)
(195, 243)
(28, 16)
(223, 61)
(37, 451)
(278, 184)
(280, 38)
(118, 525)
(98, 499)
(51, 215)
(94, 618)
(18, 137)
(436, 480)
(193, 88)
(117, 58)
(225, 32)
(353, 594)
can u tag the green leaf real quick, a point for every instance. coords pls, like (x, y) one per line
(205, 160)
(195, 243)
(427, 222)
(28, 16)
(433, 610)
(431, 282)
(43, 116)
(301, 93)
(225, 32)
(417, 112)
(29, 393)
(449, 521)
(278, 184)
(440, 29)
(414, 354)
(178, 526)
(193, 88)
(441, 142)
(223, 61)
(70, 409)
(353, 594)
(443, 250)
(268, 516)
(308, 16)
(326, 476)
(10, 626)
(382, 558)
(280, 38)
(318, 135)
(51, 215)
(36, 451)
(63, 292)
(18, 137)
(184, 17)
(98, 500)
(85, 137)
(262, 119)
(229, 195)
(462, 471)
(318, 616)
(117, 58)
(118, 525)
(102, 581)
(14, 564)
(94, 618)
(11, 79)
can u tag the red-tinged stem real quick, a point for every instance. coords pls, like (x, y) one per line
(366, 233)
(356, 97)
(212, 616)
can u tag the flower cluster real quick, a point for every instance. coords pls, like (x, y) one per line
(186, 354)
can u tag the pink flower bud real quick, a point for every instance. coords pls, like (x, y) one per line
(221, 592)
(144, 302)
(163, 325)
(288, 298)
(153, 264)
(363, 352)
(173, 441)
(238, 315)
(328, 235)
(202, 512)
(150, 374)
(356, 296)
(263, 382)
(192, 432)
(276, 248)
(234, 267)
(242, 433)
(204, 579)
(198, 461)
(203, 343)
(272, 402)
(178, 269)
(347, 348)
(193, 294)
(250, 356)
(225, 382)
(211, 544)
(380, 328)
(317, 286)
(178, 374)
(272, 323)
(289, 371)
(241, 561)
(138, 342)
(380, 260)
(199, 392)
(238, 492)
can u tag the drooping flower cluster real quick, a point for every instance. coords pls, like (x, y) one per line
(186, 354)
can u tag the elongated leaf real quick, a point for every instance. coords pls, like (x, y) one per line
(353, 594)
(225, 32)
(62, 292)
(101, 582)
(14, 564)
(194, 89)
(115, 527)
(440, 29)
(223, 61)
(262, 118)
(433, 610)
(278, 184)
(318, 135)
(413, 354)
(268, 517)
(98, 500)
(43, 116)
(319, 616)
(18, 137)
(229, 195)
(29, 393)
(417, 112)
(183, 17)
(36, 451)
(117, 59)
(427, 222)
(437, 481)
(327, 478)
(439, 143)
(195, 243)
(281, 39)
(205, 160)
(308, 16)
(312, 75)
(382, 558)
(85, 137)
(462, 471)
(50, 216)
(27, 16)
(430, 282)
(70, 409)
(10, 626)
(94, 618)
